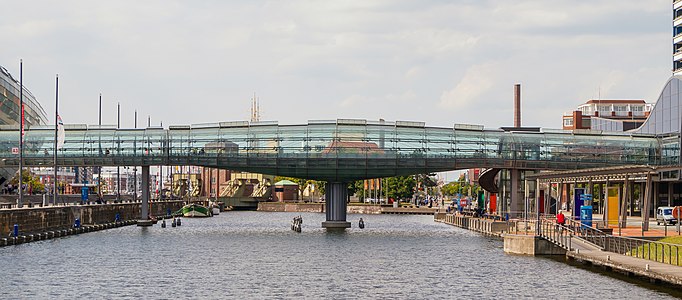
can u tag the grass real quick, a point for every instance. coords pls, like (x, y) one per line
(661, 253)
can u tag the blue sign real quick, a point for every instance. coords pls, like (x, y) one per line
(84, 192)
(585, 216)
(577, 196)
(586, 197)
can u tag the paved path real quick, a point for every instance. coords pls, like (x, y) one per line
(631, 265)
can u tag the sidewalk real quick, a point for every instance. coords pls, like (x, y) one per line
(634, 228)
(631, 265)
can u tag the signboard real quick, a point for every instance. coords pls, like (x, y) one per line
(612, 205)
(677, 212)
(15, 150)
(577, 194)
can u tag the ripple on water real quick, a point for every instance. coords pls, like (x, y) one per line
(256, 255)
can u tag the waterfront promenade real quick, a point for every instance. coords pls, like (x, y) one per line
(521, 238)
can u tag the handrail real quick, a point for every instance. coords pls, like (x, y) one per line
(640, 248)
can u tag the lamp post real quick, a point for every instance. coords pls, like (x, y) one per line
(56, 132)
(99, 129)
(21, 133)
(118, 168)
(135, 169)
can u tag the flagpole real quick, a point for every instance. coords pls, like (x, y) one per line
(56, 127)
(21, 133)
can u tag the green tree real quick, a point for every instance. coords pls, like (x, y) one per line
(32, 182)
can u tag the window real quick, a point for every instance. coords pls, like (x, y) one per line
(604, 107)
(568, 122)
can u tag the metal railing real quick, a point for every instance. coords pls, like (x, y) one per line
(662, 252)
(558, 234)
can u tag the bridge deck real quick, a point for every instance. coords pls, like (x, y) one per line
(337, 150)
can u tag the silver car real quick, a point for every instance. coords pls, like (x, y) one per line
(664, 214)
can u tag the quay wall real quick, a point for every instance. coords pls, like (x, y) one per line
(43, 219)
(351, 209)
(530, 245)
(481, 225)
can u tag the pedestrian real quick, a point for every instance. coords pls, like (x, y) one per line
(560, 220)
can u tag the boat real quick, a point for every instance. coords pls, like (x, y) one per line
(215, 208)
(195, 210)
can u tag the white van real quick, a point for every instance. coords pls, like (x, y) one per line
(664, 214)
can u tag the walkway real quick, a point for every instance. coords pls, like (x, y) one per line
(630, 265)
(338, 150)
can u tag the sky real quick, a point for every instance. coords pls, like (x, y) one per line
(436, 61)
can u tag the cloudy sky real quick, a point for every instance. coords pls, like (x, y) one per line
(442, 62)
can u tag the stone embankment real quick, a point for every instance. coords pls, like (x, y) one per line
(519, 238)
(485, 226)
(352, 209)
(37, 223)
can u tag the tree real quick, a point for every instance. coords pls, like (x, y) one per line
(32, 182)
(400, 187)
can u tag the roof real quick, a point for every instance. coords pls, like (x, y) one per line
(616, 101)
(286, 182)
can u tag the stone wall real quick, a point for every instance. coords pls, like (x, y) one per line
(530, 245)
(42, 219)
(290, 207)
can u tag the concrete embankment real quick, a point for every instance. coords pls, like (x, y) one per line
(351, 209)
(513, 243)
(43, 220)
(652, 270)
(525, 242)
(485, 226)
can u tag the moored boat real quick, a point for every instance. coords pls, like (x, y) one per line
(215, 207)
(195, 210)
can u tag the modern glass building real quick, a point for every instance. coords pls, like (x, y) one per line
(677, 37)
(10, 111)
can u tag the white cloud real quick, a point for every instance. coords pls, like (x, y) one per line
(199, 62)
(477, 80)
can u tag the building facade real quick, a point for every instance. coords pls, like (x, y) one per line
(608, 115)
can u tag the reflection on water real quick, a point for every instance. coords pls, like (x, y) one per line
(257, 255)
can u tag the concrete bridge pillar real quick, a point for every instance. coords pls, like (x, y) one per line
(144, 206)
(516, 206)
(335, 199)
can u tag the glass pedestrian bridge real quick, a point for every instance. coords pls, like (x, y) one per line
(337, 151)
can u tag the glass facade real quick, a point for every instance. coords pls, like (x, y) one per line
(335, 150)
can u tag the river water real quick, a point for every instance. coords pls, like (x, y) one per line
(255, 255)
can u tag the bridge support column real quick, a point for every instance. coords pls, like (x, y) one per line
(335, 199)
(515, 208)
(144, 206)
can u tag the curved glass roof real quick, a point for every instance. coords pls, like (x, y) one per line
(338, 150)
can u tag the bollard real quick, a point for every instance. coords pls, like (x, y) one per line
(163, 224)
(179, 221)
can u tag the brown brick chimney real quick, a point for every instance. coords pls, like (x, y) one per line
(517, 105)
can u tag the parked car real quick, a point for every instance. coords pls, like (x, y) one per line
(664, 214)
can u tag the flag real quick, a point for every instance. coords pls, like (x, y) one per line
(60, 132)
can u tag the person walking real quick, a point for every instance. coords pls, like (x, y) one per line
(560, 220)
